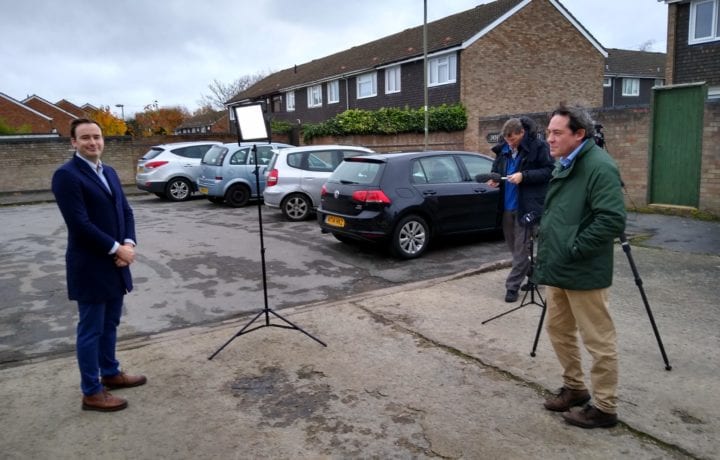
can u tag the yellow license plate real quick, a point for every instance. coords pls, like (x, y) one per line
(335, 221)
(203, 190)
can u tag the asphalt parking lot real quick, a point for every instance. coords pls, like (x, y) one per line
(198, 263)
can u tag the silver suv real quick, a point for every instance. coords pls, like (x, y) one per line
(171, 170)
(295, 176)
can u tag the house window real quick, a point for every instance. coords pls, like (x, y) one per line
(367, 85)
(659, 82)
(392, 80)
(631, 87)
(315, 96)
(333, 90)
(290, 101)
(607, 82)
(704, 21)
(276, 103)
(442, 70)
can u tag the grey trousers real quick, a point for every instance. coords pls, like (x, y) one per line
(517, 238)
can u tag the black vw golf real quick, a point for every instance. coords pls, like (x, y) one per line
(407, 200)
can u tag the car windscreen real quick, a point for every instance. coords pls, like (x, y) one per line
(215, 155)
(357, 172)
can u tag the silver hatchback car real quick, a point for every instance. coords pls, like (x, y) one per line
(171, 170)
(227, 172)
(295, 176)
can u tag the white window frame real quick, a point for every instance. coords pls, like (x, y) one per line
(442, 70)
(630, 87)
(714, 26)
(314, 96)
(333, 92)
(290, 101)
(362, 81)
(607, 82)
(392, 80)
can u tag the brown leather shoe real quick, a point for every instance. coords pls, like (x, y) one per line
(123, 380)
(104, 402)
(590, 417)
(567, 398)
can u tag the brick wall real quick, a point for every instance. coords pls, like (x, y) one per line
(532, 61)
(398, 142)
(28, 164)
(710, 175)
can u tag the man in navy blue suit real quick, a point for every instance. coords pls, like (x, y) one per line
(101, 247)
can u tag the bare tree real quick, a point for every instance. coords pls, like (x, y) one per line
(222, 92)
(646, 45)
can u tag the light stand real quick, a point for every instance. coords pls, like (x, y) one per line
(532, 289)
(251, 126)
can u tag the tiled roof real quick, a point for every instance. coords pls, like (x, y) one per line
(632, 63)
(448, 32)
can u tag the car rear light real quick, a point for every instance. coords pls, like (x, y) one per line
(323, 191)
(154, 164)
(273, 178)
(371, 196)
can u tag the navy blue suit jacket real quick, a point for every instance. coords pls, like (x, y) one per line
(95, 219)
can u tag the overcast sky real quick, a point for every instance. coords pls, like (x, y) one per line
(135, 52)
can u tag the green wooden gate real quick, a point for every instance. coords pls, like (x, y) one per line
(676, 145)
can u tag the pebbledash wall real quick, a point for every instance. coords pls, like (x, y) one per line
(28, 165)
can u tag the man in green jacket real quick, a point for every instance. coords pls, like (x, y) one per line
(584, 213)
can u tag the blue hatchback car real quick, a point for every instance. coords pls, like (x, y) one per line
(227, 172)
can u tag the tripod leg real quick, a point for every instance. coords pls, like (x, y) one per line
(639, 283)
(298, 328)
(238, 334)
(539, 328)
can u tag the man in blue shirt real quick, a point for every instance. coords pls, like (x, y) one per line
(524, 159)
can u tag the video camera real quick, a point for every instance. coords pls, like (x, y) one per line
(599, 136)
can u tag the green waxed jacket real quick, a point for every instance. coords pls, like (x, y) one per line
(584, 213)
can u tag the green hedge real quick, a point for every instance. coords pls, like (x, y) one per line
(389, 121)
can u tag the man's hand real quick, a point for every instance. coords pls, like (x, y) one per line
(515, 178)
(125, 255)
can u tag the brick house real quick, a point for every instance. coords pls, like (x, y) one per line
(630, 76)
(508, 56)
(17, 115)
(693, 44)
(61, 118)
(72, 108)
(210, 122)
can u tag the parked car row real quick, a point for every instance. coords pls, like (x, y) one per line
(400, 200)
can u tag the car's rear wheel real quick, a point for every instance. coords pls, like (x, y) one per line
(178, 189)
(296, 207)
(238, 195)
(216, 199)
(410, 238)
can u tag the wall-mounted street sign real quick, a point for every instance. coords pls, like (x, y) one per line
(493, 138)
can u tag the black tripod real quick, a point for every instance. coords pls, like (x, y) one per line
(531, 288)
(265, 311)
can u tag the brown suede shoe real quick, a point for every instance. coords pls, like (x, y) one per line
(567, 398)
(123, 380)
(590, 417)
(104, 402)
